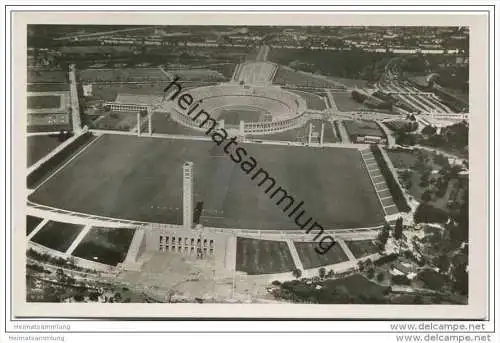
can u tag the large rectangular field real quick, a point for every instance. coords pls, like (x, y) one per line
(40, 146)
(31, 223)
(363, 128)
(311, 259)
(57, 235)
(44, 101)
(140, 178)
(255, 256)
(105, 245)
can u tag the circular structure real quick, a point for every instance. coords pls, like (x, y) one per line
(250, 109)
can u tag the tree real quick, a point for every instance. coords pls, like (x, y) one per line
(93, 296)
(370, 273)
(380, 277)
(398, 229)
(78, 297)
(461, 277)
(426, 213)
(297, 273)
(400, 280)
(322, 272)
(426, 196)
(70, 280)
(418, 299)
(442, 262)
(383, 236)
(60, 275)
(429, 130)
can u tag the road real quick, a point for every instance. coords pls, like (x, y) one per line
(332, 101)
(263, 52)
(344, 136)
(388, 133)
(75, 106)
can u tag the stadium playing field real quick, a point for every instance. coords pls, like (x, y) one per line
(233, 115)
(140, 178)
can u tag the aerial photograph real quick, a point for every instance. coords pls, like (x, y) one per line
(247, 164)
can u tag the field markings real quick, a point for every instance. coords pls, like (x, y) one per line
(37, 228)
(347, 251)
(65, 164)
(295, 254)
(388, 197)
(78, 239)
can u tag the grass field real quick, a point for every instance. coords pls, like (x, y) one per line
(162, 123)
(294, 135)
(48, 122)
(121, 121)
(57, 76)
(197, 74)
(31, 223)
(396, 125)
(40, 146)
(357, 285)
(105, 245)
(346, 103)
(255, 256)
(285, 76)
(363, 128)
(108, 92)
(402, 159)
(314, 102)
(362, 248)
(44, 101)
(122, 74)
(337, 192)
(49, 166)
(57, 235)
(233, 116)
(48, 127)
(311, 259)
(329, 135)
(47, 87)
